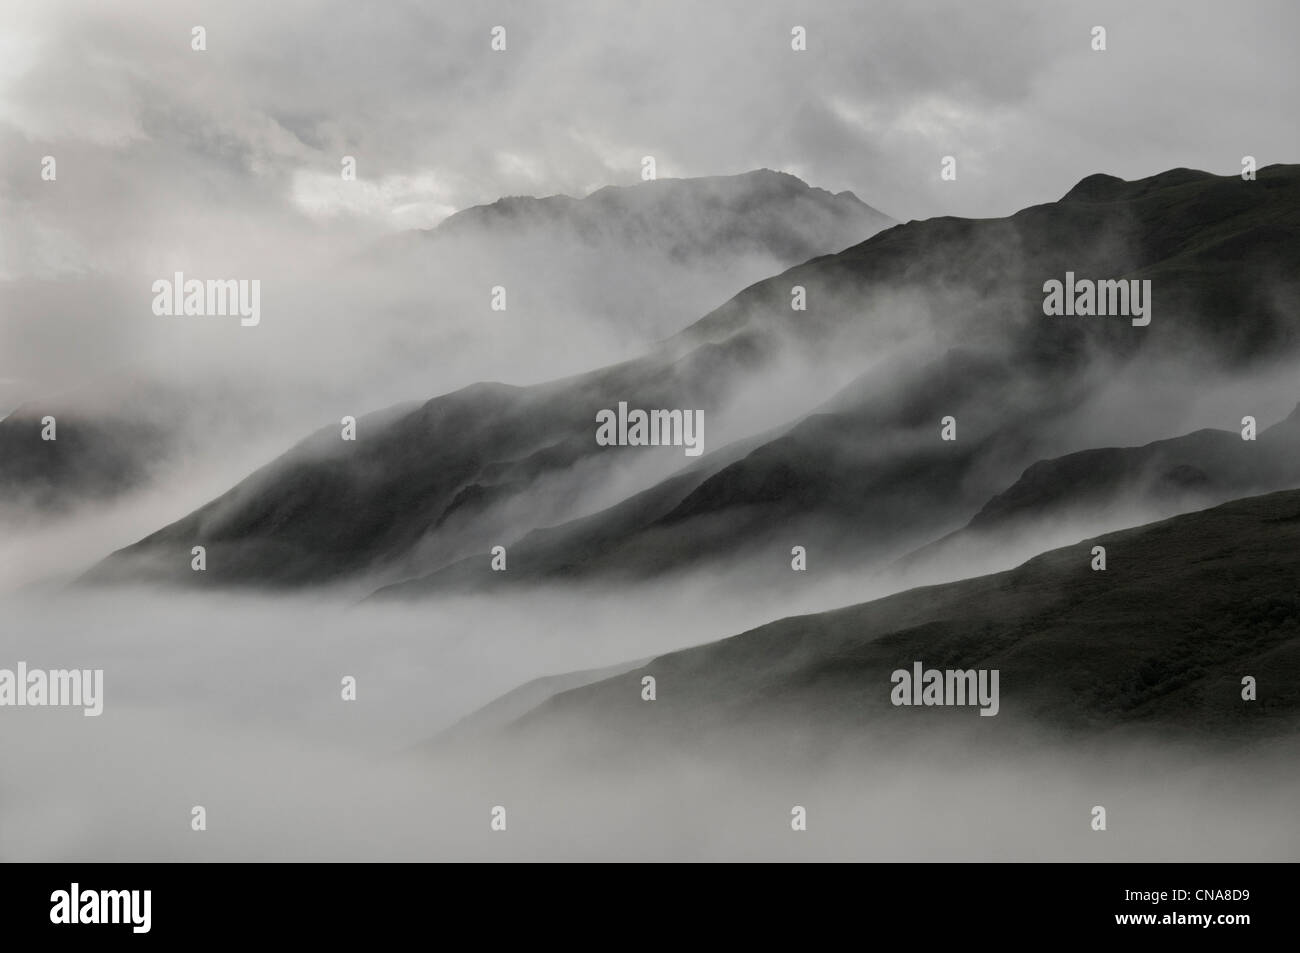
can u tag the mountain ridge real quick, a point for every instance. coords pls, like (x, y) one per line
(1160, 641)
(976, 281)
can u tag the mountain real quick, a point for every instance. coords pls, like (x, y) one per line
(108, 438)
(866, 476)
(635, 263)
(1158, 642)
(1108, 488)
(756, 213)
(628, 264)
(856, 480)
(91, 458)
(501, 712)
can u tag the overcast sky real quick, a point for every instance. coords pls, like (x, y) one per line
(159, 145)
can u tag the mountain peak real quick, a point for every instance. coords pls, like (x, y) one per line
(1100, 187)
(760, 181)
(760, 210)
(1094, 187)
(754, 184)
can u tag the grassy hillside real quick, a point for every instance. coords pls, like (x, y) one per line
(1160, 640)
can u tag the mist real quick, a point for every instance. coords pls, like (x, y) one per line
(464, 254)
(235, 705)
(238, 701)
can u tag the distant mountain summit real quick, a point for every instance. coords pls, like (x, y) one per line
(759, 212)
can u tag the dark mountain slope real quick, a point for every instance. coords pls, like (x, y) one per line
(93, 457)
(871, 467)
(865, 476)
(1104, 488)
(851, 482)
(111, 437)
(1160, 641)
